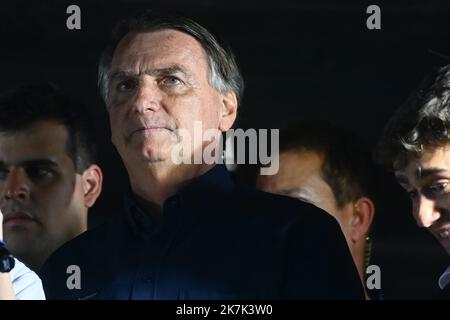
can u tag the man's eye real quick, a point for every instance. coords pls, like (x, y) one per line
(3, 173)
(127, 85)
(39, 173)
(437, 188)
(171, 81)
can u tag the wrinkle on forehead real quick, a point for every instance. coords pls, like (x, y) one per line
(433, 161)
(139, 51)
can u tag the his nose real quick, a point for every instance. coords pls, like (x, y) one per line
(426, 212)
(148, 97)
(17, 186)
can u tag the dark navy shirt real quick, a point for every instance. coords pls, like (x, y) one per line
(214, 240)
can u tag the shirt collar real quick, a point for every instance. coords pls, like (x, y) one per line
(217, 179)
(139, 222)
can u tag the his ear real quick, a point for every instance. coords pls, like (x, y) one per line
(363, 213)
(92, 179)
(228, 111)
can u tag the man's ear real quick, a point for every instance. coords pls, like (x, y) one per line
(92, 179)
(228, 111)
(363, 213)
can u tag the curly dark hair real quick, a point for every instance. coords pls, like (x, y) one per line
(423, 121)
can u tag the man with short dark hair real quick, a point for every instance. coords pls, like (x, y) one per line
(187, 231)
(327, 166)
(48, 175)
(415, 144)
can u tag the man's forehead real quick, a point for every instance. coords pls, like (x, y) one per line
(41, 140)
(30, 161)
(298, 168)
(41, 129)
(164, 43)
(417, 170)
(303, 156)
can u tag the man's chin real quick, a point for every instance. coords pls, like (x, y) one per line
(147, 151)
(155, 156)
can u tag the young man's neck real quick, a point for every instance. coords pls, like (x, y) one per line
(358, 254)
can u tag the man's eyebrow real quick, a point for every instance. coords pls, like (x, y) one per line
(120, 74)
(422, 173)
(33, 163)
(174, 69)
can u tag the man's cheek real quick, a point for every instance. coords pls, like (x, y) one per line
(444, 202)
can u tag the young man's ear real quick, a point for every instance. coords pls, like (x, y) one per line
(363, 213)
(92, 184)
(228, 111)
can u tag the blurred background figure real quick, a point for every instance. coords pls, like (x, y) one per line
(330, 168)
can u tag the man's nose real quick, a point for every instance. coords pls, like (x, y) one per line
(148, 97)
(17, 186)
(426, 212)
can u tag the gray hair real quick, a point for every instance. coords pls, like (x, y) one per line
(224, 75)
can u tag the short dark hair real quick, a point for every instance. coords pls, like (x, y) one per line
(347, 166)
(224, 74)
(422, 121)
(24, 106)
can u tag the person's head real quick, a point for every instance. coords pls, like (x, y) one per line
(161, 74)
(328, 167)
(415, 144)
(48, 178)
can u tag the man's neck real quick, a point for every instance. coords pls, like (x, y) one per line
(35, 261)
(358, 255)
(156, 182)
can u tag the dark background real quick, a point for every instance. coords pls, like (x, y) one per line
(300, 59)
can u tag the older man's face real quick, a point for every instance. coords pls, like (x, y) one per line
(159, 85)
(427, 180)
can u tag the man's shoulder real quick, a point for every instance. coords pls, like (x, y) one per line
(279, 207)
(87, 254)
(90, 237)
(91, 244)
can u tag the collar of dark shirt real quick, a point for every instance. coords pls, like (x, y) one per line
(216, 180)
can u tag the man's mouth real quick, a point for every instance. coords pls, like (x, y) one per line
(17, 218)
(147, 129)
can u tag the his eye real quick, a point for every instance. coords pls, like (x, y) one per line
(437, 188)
(3, 173)
(39, 174)
(171, 81)
(127, 85)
